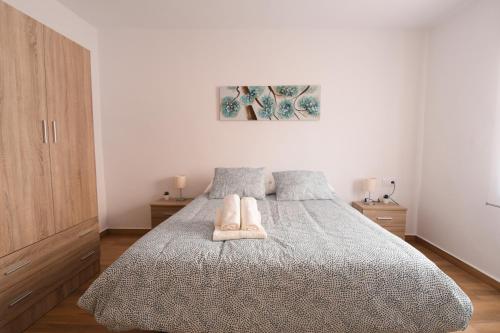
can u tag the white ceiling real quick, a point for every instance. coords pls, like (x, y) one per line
(263, 14)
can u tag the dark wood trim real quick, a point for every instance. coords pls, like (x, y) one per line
(411, 238)
(135, 232)
(454, 260)
(104, 233)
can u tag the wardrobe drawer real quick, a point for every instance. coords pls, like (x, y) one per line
(25, 293)
(30, 260)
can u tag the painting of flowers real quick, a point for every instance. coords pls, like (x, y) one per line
(270, 103)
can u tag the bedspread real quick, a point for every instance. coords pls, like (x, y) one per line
(323, 268)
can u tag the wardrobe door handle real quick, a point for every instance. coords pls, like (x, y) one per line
(44, 129)
(384, 218)
(54, 130)
(19, 298)
(87, 255)
(16, 267)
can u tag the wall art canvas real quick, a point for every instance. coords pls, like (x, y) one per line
(270, 103)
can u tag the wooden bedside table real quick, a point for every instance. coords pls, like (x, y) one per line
(162, 209)
(390, 216)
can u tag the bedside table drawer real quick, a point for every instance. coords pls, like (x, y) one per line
(160, 212)
(391, 217)
(156, 220)
(394, 221)
(163, 209)
(381, 216)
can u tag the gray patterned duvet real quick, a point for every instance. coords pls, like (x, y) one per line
(323, 268)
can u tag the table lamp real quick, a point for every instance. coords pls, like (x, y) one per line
(369, 186)
(180, 183)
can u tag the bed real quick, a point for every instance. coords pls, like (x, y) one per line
(323, 268)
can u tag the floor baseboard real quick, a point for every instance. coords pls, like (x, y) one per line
(454, 260)
(411, 238)
(135, 232)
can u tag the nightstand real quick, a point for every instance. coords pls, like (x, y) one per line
(162, 209)
(390, 216)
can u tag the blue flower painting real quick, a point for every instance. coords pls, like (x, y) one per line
(270, 103)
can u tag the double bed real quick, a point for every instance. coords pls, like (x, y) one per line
(323, 268)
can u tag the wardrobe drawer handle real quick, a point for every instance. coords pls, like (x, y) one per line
(85, 233)
(87, 255)
(17, 267)
(19, 298)
(382, 218)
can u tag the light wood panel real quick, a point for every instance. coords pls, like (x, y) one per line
(26, 214)
(69, 104)
(67, 317)
(41, 252)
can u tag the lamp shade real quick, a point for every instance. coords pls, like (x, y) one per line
(180, 181)
(370, 184)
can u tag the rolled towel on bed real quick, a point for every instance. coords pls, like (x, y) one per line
(223, 235)
(231, 215)
(250, 215)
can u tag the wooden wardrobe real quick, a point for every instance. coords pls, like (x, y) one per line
(49, 240)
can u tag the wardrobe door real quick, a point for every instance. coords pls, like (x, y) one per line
(69, 104)
(25, 184)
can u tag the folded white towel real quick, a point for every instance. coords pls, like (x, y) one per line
(231, 215)
(222, 235)
(250, 215)
(260, 233)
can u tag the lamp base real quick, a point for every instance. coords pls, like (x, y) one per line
(180, 197)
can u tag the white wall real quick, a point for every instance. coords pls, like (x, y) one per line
(58, 17)
(494, 192)
(159, 93)
(462, 100)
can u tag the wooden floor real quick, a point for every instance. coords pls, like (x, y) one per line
(68, 318)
